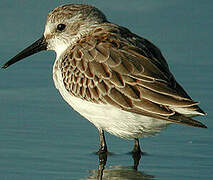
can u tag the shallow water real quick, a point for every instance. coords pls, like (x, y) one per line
(41, 137)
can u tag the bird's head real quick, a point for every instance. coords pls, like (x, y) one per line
(64, 26)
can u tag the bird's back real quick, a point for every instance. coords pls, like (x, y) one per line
(114, 67)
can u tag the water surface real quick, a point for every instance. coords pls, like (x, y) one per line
(41, 137)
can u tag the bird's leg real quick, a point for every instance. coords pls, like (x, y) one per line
(102, 163)
(102, 154)
(136, 153)
(136, 148)
(103, 145)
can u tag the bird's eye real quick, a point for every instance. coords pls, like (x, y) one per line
(61, 27)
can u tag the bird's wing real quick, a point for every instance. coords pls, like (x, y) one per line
(121, 69)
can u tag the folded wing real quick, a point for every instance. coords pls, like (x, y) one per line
(113, 66)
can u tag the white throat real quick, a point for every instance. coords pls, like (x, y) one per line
(60, 49)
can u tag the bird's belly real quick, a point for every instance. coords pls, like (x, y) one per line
(116, 121)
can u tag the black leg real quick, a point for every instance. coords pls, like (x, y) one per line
(102, 154)
(102, 163)
(136, 153)
(136, 148)
(103, 145)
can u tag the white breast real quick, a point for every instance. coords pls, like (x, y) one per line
(116, 121)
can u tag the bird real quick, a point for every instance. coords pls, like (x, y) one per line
(116, 79)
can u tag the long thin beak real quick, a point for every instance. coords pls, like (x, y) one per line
(37, 46)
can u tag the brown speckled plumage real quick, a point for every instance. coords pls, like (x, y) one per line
(111, 65)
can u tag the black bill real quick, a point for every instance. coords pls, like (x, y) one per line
(37, 46)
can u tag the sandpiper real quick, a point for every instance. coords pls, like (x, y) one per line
(116, 79)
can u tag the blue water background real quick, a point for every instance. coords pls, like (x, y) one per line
(41, 137)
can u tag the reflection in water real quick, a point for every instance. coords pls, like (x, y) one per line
(118, 172)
